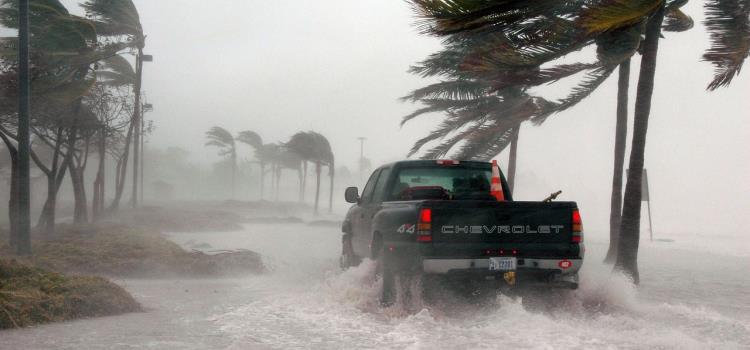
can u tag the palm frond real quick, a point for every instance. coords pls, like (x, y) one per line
(604, 15)
(219, 137)
(445, 17)
(728, 25)
(116, 71)
(617, 45)
(438, 105)
(677, 21)
(535, 76)
(250, 138)
(486, 141)
(459, 89)
(588, 85)
(532, 45)
(114, 17)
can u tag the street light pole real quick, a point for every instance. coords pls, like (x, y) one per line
(361, 157)
(24, 187)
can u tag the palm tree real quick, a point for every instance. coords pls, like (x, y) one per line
(115, 72)
(621, 133)
(486, 104)
(600, 18)
(255, 141)
(62, 53)
(284, 158)
(118, 18)
(627, 249)
(224, 141)
(675, 21)
(587, 22)
(323, 157)
(490, 66)
(314, 147)
(303, 144)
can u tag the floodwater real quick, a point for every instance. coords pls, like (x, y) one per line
(695, 294)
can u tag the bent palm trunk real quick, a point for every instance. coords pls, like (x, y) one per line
(122, 166)
(621, 133)
(317, 185)
(627, 250)
(330, 195)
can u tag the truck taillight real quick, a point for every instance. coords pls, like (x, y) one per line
(424, 226)
(447, 162)
(577, 228)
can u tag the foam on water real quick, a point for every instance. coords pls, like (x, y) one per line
(314, 305)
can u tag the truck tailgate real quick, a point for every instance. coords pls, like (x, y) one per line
(492, 222)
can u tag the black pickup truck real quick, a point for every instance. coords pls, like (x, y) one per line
(441, 217)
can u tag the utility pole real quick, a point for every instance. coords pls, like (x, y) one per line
(137, 128)
(361, 157)
(147, 107)
(137, 119)
(24, 186)
(143, 150)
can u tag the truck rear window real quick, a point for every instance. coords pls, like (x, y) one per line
(441, 183)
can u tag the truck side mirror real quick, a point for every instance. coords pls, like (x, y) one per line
(352, 195)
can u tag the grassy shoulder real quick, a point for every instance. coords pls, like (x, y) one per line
(181, 219)
(31, 295)
(125, 251)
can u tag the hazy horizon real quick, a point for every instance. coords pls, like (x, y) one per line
(339, 67)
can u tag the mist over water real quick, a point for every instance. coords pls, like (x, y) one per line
(307, 302)
(686, 301)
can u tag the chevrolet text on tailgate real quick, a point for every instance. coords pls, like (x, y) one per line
(458, 219)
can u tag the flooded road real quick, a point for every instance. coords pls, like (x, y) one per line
(691, 297)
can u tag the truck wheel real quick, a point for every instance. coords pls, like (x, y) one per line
(388, 292)
(348, 258)
(385, 270)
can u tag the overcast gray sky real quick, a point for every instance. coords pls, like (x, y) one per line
(338, 67)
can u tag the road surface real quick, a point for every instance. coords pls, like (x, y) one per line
(695, 294)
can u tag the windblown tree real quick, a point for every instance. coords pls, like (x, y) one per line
(281, 157)
(110, 104)
(303, 143)
(314, 147)
(64, 50)
(270, 153)
(544, 31)
(255, 141)
(118, 75)
(676, 21)
(119, 20)
(486, 77)
(608, 17)
(88, 125)
(223, 140)
(323, 157)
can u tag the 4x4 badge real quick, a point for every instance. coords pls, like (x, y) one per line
(406, 228)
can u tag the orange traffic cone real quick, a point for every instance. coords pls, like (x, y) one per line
(496, 188)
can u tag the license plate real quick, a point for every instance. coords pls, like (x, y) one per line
(503, 263)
